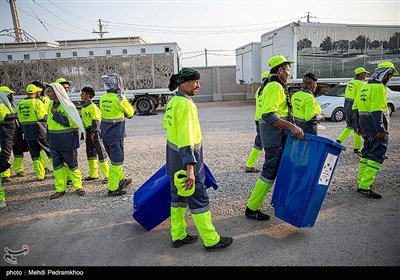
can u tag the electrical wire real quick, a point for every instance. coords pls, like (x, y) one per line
(68, 31)
(65, 11)
(60, 18)
(41, 22)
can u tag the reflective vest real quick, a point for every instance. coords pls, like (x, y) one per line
(273, 100)
(181, 122)
(305, 107)
(90, 112)
(55, 126)
(371, 106)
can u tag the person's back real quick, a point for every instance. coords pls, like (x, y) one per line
(32, 115)
(372, 122)
(353, 89)
(306, 110)
(114, 108)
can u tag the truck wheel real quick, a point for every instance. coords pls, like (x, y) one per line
(338, 115)
(144, 105)
(156, 101)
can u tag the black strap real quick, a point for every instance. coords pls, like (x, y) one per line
(289, 104)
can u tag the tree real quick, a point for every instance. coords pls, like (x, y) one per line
(361, 43)
(343, 46)
(326, 44)
(303, 44)
(394, 42)
(375, 44)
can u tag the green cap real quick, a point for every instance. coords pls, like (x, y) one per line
(6, 89)
(278, 60)
(31, 88)
(388, 64)
(265, 75)
(62, 81)
(360, 70)
(179, 182)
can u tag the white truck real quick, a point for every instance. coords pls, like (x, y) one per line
(331, 51)
(145, 68)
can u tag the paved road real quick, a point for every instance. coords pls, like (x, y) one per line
(344, 235)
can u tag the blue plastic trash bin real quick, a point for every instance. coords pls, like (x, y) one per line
(152, 201)
(304, 175)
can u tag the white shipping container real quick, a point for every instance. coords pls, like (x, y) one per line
(331, 50)
(248, 63)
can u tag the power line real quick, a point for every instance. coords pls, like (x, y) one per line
(65, 11)
(201, 27)
(19, 9)
(41, 22)
(59, 17)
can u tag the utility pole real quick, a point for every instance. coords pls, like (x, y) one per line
(205, 52)
(308, 17)
(101, 32)
(15, 18)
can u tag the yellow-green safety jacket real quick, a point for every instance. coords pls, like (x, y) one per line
(91, 116)
(184, 139)
(63, 132)
(114, 109)
(32, 116)
(371, 108)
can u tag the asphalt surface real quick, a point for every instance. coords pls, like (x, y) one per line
(343, 235)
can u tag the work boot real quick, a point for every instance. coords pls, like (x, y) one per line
(6, 180)
(117, 192)
(80, 192)
(57, 195)
(88, 178)
(256, 215)
(222, 243)
(369, 193)
(189, 239)
(124, 183)
(251, 170)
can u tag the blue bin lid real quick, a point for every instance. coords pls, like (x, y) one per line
(308, 136)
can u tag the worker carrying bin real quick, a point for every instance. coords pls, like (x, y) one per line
(152, 201)
(304, 175)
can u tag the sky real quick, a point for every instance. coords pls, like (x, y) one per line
(218, 26)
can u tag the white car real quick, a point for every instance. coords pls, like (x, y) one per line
(333, 100)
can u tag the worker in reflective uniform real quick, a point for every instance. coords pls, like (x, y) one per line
(32, 115)
(91, 117)
(65, 83)
(353, 88)
(275, 116)
(306, 110)
(115, 107)
(185, 154)
(257, 148)
(373, 124)
(46, 101)
(10, 134)
(63, 123)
